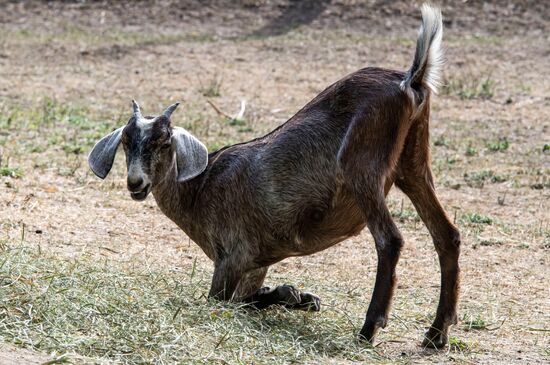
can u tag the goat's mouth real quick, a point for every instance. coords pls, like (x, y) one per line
(140, 195)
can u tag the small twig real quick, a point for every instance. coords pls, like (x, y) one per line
(538, 329)
(237, 116)
(218, 110)
(223, 339)
(108, 249)
(497, 327)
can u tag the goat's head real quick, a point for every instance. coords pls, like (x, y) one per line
(152, 147)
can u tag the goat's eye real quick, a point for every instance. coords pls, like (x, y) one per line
(165, 146)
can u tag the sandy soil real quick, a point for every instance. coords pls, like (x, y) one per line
(15, 356)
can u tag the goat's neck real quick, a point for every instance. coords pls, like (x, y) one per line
(176, 199)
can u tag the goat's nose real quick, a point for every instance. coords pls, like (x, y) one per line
(134, 183)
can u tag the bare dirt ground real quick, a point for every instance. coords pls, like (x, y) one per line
(15, 356)
(66, 67)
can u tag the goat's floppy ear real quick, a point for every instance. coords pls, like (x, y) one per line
(103, 154)
(191, 154)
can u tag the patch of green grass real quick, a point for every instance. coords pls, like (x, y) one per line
(213, 88)
(404, 215)
(456, 344)
(471, 151)
(500, 145)
(135, 314)
(470, 87)
(7, 117)
(246, 130)
(442, 164)
(49, 113)
(482, 39)
(474, 323)
(490, 242)
(10, 171)
(219, 144)
(52, 126)
(236, 122)
(478, 178)
(441, 140)
(70, 167)
(37, 148)
(73, 149)
(486, 89)
(72, 33)
(477, 218)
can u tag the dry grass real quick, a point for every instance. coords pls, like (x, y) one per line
(140, 314)
(93, 277)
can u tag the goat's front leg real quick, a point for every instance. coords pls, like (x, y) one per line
(285, 295)
(231, 283)
(250, 291)
(227, 274)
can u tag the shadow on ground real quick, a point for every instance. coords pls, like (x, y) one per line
(296, 14)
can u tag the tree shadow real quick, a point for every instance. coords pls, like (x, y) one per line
(299, 12)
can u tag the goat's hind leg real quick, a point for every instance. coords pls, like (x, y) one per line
(388, 241)
(419, 188)
(366, 160)
(415, 180)
(369, 188)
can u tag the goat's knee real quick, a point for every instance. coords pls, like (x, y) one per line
(225, 280)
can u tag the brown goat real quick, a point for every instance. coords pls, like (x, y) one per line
(316, 180)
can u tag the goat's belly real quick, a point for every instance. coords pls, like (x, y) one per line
(309, 239)
(337, 226)
(317, 228)
(325, 238)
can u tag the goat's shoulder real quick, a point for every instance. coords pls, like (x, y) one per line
(229, 162)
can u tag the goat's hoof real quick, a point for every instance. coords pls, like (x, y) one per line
(292, 298)
(370, 329)
(309, 302)
(368, 332)
(435, 339)
(366, 337)
(288, 295)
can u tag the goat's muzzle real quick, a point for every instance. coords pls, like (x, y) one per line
(140, 195)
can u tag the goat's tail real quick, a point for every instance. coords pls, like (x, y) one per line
(428, 59)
